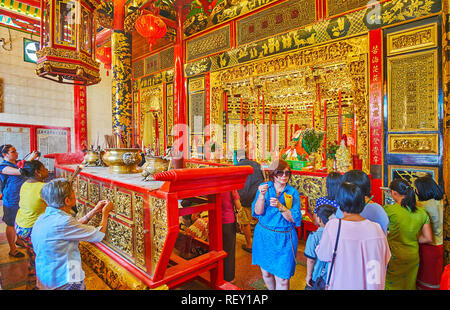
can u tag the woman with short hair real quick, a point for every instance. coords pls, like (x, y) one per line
(430, 197)
(408, 226)
(277, 208)
(372, 211)
(362, 252)
(56, 235)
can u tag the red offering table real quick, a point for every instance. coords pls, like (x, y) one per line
(145, 223)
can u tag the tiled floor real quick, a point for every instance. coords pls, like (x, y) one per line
(13, 271)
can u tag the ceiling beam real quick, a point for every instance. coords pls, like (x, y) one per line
(20, 17)
(33, 3)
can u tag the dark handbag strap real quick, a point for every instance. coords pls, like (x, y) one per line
(334, 253)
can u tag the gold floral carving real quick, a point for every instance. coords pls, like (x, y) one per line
(130, 20)
(159, 227)
(94, 192)
(120, 237)
(123, 204)
(68, 54)
(311, 187)
(111, 272)
(109, 194)
(358, 76)
(139, 236)
(351, 54)
(414, 144)
(83, 188)
(330, 53)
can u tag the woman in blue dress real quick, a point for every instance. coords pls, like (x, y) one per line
(277, 208)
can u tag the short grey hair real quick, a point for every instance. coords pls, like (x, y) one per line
(56, 191)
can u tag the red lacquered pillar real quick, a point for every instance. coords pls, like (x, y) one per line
(179, 85)
(80, 117)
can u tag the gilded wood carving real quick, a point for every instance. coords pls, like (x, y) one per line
(139, 236)
(159, 228)
(413, 144)
(414, 39)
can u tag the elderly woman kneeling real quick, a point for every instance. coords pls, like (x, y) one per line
(56, 234)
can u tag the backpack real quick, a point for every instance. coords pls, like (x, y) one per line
(3, 181)
(248, 193)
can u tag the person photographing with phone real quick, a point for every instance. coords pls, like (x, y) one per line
(11, 181)
(277, 208)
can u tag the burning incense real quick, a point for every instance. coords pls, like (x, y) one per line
(72, 177)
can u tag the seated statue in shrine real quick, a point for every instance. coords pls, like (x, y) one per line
(296, 150)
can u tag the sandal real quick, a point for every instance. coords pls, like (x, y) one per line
(246, 249)
(18, 254)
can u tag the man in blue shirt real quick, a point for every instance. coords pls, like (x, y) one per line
(56, 234)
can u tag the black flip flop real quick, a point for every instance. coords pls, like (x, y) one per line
(17, 254)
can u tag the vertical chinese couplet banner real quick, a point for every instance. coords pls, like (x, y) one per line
(376, 110)
(80, 118)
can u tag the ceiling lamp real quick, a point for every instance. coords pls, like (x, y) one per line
(67, 53)
(103, 54)
(150, 27)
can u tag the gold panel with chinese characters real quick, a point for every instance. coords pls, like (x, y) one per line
(413, 92)
(414, 144)
(414, 39)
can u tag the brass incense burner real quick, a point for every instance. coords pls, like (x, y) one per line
(154, 165)
(122, 160)
(94, 157)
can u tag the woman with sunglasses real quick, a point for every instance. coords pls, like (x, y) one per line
(12, 180)
(408, 226)
(277, 208)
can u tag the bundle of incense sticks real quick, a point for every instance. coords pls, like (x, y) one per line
(72, 177)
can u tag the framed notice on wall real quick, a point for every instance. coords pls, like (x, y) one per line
(19, 137)
(51, 141)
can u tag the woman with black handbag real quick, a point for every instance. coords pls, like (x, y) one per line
(357, 247)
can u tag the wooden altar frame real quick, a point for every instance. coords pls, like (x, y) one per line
(178, 184)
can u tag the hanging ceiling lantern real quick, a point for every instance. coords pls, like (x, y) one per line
(150, 27)
(67, 53)
(103, 54)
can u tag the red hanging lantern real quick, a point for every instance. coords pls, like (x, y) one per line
(150, 27)
(103, 54)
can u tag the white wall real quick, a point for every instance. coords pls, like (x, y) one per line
(29, 99)
(99, 109)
